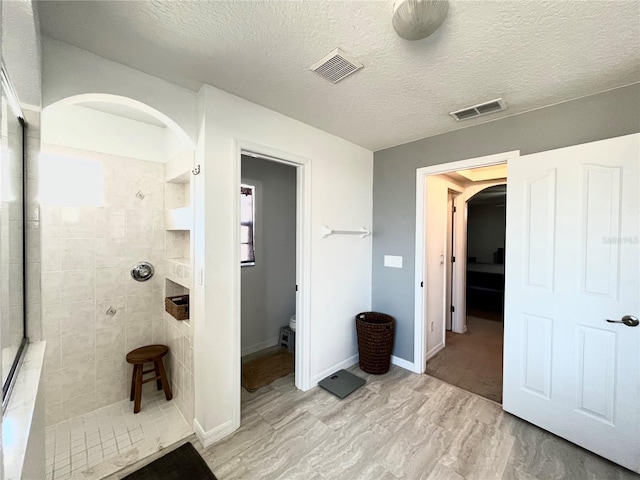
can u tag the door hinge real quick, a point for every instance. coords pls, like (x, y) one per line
(453, 259)
(296, 288)
(421, 284)
(453, 309)
(454, 209)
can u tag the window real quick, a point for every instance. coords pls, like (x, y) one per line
(247, 220)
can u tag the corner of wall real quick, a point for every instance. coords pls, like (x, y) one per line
(216, 434)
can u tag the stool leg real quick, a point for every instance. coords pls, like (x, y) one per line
(159, 381)
(138, 389)
(133, 382)
(165, 381)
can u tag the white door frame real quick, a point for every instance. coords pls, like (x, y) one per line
(303, 261)
(452, 237)
(420, 330)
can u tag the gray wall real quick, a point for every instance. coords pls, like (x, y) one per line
(485, 231)
(606, 115)
(268, 287)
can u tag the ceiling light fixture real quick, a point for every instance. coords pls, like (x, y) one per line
(417, 19)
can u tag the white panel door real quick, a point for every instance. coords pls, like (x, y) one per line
(572, 262)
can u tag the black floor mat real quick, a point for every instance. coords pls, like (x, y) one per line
(183, 463)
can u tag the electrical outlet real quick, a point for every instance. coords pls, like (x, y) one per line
(432, 326)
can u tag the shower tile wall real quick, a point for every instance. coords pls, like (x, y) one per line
(33, 273)
(11, 294)
(179, 334)
(178, 337)
(87, 253)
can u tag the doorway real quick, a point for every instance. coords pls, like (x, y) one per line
(472, 176)
(284, 312)
(472, 359)
(268, 197)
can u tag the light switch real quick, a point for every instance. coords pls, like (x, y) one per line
(392, 261)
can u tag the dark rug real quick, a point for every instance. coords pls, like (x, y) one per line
(183, 463)
(264, 370)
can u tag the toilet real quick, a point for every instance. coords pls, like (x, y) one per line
(292, 322)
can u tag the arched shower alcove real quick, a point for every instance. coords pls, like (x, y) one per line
(116, 188)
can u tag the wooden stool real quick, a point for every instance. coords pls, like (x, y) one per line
(140, 356)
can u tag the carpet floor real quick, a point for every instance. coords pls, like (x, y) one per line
(264, 370)
(472, 360)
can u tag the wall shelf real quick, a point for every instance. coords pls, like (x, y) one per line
(178, 169)
(179, 218)
(178, 270)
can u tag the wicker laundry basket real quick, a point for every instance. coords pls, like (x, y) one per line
(375, 341)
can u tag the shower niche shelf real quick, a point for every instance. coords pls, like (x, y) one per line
(178, 224)
(180, 218)
(172, 290)
(178, 270)
(178, 170)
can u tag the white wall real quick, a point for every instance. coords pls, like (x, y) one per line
(88, 129)
(436, 237)
(21, 50)
(68, 72)
(340, 267)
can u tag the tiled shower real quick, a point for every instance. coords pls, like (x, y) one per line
(93, 311)
(100, 214)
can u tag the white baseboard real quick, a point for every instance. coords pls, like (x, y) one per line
(338, 366)
(431, 353)
(402, 363)
(215, 434)
(259, 346)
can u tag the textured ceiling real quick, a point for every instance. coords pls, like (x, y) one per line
(531, 53)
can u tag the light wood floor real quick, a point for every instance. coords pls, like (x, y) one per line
(399, 425)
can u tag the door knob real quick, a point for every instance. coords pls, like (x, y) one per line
(628, 320)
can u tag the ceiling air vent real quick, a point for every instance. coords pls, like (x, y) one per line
(336, 66)
(485, 108)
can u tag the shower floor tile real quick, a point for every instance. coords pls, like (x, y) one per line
(106, 440)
